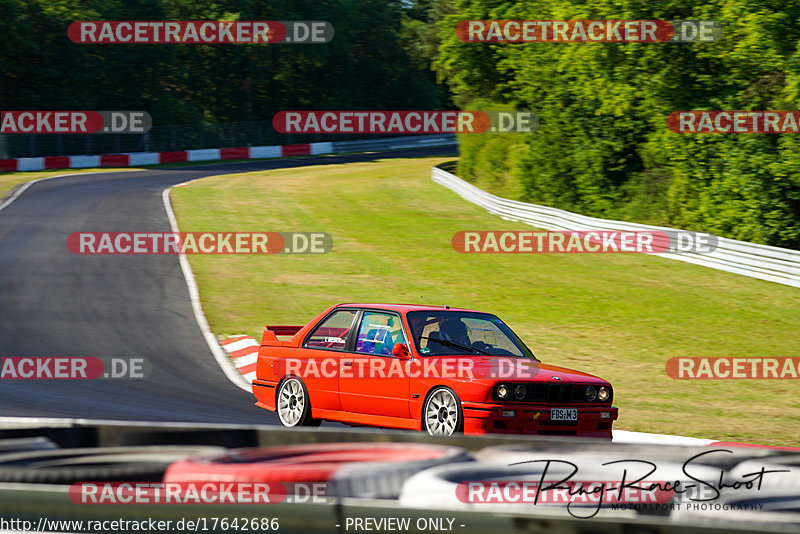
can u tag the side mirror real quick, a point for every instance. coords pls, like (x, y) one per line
(400, 351)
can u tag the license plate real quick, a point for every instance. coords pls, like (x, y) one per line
(563, 414)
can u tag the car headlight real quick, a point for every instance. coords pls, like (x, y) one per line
(502, 391)
(519, 392)
(604, 393)
(591, 393)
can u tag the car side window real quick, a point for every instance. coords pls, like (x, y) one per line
(379, 332)
(332, 333)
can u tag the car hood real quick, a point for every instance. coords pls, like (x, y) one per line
(498, 368)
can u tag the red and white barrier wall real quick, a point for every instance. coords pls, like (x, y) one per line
(134, 159)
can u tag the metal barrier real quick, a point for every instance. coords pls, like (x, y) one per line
(35, 502)
(214, 154)
(184, 137)
(764, 262)
(414, 141)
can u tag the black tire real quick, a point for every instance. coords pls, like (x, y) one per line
(293, 405)
(110, 464)
(449, 417)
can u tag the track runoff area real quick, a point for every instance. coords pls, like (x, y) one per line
(432, 481)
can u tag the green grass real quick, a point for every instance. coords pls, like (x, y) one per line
(618, 316)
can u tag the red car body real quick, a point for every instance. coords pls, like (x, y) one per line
(337, 390)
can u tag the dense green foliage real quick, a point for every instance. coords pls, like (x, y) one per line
(603, 148)
(369, 64)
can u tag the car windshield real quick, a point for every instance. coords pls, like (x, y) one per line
(440, 332)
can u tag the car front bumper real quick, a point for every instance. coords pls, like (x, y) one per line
(485, 418)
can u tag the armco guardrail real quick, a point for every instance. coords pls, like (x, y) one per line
(213, 154)
(415, 141)
(773, 264)
(164, 138)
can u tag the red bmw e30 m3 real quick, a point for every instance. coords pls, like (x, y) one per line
(432, 368)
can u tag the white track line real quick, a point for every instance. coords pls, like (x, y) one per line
(624, 436)
(222, 358)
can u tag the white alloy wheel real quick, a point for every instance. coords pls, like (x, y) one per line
(292, 402)
(442, 413)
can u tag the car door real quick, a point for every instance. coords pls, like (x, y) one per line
(369, 386)
(320, 357)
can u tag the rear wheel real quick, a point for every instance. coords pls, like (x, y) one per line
(292, 404)
(442, 415)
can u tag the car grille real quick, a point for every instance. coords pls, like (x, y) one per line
(555, 393)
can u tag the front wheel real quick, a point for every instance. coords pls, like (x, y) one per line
(442, 414)
(292, 404)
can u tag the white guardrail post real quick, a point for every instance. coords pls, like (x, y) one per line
(773, 264)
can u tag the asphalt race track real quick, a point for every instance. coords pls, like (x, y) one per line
(55, 303)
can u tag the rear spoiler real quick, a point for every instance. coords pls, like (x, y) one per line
(284, 330)
(271, 333)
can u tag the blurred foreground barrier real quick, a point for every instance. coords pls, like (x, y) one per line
(365, 470)
(47, 507)
(42, 504)
(107, 433)
(773, 264)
